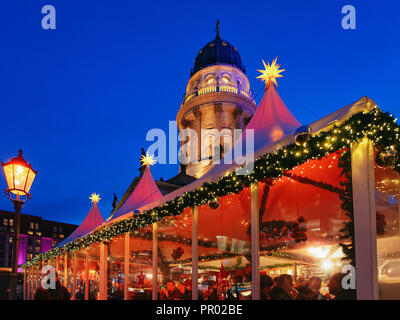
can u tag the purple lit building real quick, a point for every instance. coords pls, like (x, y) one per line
(36, 236)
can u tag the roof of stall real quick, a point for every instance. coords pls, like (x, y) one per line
(91, 222)
(146, 191)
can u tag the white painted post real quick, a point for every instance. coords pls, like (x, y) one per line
(155, 261)
(103, 272)
(195, 255)
(87, 280)
(255, 242)
(363, 181)
(126, 265)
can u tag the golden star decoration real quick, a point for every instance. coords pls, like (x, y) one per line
(270, 73)
(95, 197)
(147, 160)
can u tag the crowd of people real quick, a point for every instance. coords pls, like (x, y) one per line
(280, 288)
(284, 288)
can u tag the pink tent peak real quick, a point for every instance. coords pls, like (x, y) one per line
(92, 221)
(272, 120)
(145, 192)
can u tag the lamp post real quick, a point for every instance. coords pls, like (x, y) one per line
(19, 176)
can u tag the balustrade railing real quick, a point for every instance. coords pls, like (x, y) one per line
(218, 88)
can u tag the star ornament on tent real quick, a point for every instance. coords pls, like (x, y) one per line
(147, 160)
(270, 73)
(95, 197)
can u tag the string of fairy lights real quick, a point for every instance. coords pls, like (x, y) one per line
(377, 126)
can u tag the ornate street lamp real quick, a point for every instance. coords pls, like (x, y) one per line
(19, 176)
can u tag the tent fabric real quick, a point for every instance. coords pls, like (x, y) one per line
(92, 221)
(146, 191)
(364, 104)
(271, 122)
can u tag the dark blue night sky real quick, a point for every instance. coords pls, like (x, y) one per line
(79, 99)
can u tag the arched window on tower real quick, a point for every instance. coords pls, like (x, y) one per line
(226, 140)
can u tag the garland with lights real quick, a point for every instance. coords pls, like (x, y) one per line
(347, 232)
(377, 126)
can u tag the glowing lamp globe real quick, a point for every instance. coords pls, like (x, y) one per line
(19, 176)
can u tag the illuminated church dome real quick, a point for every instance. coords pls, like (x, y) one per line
(216, 52)
(217, 101)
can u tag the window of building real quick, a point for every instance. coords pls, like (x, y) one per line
(53, 243)
(29, 256)
(37, 249)
(60, 229)
(54, 228)
(5, 221)
(37, 226)
(30, 248)
(11, 222)
(31, 225)
(226, 79)
(210, 80)
(61, 236)
(10, 239)
(38, 241)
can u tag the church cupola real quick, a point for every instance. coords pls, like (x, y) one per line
(218, 100)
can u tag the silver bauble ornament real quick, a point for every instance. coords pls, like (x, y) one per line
(213, 204)
(386, 158)
(302, 134)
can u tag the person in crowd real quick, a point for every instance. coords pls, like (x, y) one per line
(300, 282)
(314, 283)
(211, 293)
(59, 293)
(336, 288)
(188, 289)
(266, 283)
(80, 293)
(282, 288)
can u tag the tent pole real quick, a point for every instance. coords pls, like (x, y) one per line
(24, 285)
(103, 272)
(155, 261)
(57, 265)
(65, 269)
(195, 255)
(363, 181)
(28, 289)
(74, 266)
(31, 291)
(38, 275)
(126, 266)
(87, 281)
(255, 242)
